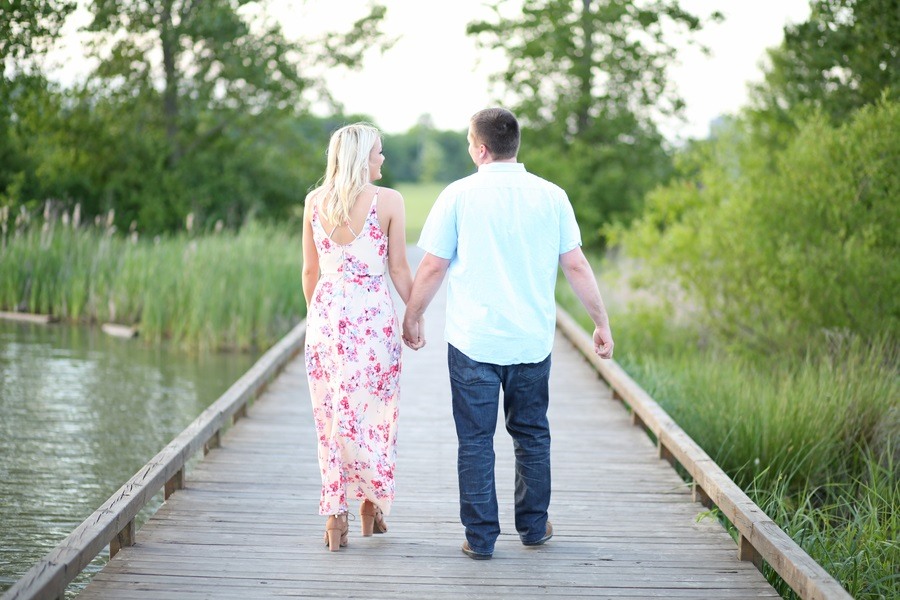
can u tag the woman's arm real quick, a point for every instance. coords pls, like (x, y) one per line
(310, 254)
(394, 213)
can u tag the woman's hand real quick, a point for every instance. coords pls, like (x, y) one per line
(414, 333)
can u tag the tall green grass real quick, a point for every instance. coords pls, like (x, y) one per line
(218, 291)
(221, 290)
(812, 438)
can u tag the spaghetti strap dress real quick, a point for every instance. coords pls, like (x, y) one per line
(353, 366)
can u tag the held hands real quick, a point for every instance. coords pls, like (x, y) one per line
(414, 333)
(603, 342)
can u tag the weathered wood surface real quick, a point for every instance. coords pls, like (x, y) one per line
(27, 317)
(245, 525)
(120, 331)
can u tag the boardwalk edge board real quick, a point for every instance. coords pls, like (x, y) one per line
(113, 523)
(760, 538)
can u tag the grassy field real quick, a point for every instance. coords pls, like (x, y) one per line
(419, 198)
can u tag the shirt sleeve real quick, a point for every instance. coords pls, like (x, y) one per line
(569, 234)
(439, 234)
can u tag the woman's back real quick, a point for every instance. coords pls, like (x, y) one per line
(357, 248)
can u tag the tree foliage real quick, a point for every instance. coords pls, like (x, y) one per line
(844, 57)
(587, 79)
(425, 154)
(778, 255)
(28, 27)
(194, 108)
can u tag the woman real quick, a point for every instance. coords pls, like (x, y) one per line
(352, 230)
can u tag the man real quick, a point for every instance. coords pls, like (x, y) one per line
(500, 234)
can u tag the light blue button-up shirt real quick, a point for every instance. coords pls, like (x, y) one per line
(503, 230)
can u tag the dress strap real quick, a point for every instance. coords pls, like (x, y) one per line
(333, 229)
(372, 210)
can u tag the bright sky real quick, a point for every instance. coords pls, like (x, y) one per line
(435, 68)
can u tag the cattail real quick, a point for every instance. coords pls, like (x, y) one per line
(21, 218)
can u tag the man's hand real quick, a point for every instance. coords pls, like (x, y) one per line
(414, 333)
(429, 276)
(603, 342)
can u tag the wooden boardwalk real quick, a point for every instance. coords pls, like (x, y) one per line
(246, 524)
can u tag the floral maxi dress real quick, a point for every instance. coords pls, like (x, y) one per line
(353, 366)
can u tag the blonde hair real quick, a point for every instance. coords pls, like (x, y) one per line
(347, 170)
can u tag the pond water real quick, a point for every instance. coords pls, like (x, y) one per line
(80, 413)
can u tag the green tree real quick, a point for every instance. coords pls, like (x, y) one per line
(457, 162)
(842, 58)
(777, 249)
(426, 154)
(227, 80)
(587, 79)
(27, 29)
(195, 107)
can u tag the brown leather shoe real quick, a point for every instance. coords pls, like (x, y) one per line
(547, 536)
(474, 555)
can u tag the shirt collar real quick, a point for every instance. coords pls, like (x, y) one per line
(501, 167)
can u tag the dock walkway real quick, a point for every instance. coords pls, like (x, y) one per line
(245, 525)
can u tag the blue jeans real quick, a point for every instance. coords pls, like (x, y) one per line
(475, 387)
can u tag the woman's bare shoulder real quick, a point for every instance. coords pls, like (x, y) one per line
(314, 194)
(389, 196)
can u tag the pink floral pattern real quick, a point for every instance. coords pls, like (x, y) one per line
(353, 366)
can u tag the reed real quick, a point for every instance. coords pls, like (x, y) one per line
(850, 527)
(222, 290)
(812, 438)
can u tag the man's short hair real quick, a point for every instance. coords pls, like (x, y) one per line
(498, 130)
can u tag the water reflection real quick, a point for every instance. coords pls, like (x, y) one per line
(80, 413)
